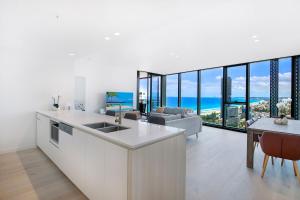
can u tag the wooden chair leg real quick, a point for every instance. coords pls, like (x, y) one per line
(296, 169)
(282, 162)
(272, 160)
(265, 164)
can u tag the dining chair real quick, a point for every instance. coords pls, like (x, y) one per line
(111, 113)
(132, 116)
(280, 145)
(255, 139)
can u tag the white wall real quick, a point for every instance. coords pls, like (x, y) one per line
(29, 79)
(104, 75)
(31, 71)
(27, 83)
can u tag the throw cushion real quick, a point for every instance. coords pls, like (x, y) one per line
(160, 109)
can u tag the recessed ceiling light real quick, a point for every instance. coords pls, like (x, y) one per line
(254, 36)
(72, 54)
(106, 38)
(256, 40)
(116, 34)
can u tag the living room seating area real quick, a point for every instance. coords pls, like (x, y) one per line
(177, 117)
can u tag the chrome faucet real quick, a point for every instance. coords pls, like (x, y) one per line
(119, 117)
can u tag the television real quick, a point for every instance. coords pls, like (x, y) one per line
(115, 99)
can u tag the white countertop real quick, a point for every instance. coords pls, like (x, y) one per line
(138, 135)
(267, 124)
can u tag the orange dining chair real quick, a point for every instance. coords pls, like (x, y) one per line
(280, 145)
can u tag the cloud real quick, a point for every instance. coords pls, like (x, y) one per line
(259, 78)
(188, 88)
(259, 86)
(212, 88)
(285, 76)
(240, 78)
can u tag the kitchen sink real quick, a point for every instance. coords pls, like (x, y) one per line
(106, 127)
(112, 129)
(99, 125)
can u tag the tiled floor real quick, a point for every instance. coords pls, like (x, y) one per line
(216, 169)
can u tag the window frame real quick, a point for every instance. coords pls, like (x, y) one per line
(295, 85)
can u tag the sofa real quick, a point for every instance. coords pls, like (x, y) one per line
(177, 117)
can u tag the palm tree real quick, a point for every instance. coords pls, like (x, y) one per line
(111, 95)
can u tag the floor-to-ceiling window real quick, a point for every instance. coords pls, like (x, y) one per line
(235, 99)
(228, 96)
(259, 89)
(149, 92)
(143, 95)
(155, 92)
(172, 90)
(211, 96)
(189, 91)
(284, 86)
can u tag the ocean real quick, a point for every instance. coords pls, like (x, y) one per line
(207, 103)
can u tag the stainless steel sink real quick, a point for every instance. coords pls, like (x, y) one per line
(106, 127)
(112, 129)
(99, 125)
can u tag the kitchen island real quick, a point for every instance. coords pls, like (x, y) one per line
(141, 161)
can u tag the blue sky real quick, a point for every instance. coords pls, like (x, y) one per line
(211, 81)
(189, 84)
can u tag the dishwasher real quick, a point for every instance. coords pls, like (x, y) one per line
(66, 128)
(56, 127)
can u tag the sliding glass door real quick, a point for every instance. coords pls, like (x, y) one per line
(144, 95)
(149, 90)
(155, 92)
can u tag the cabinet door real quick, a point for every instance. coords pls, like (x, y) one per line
(65, 142)
(43, 132)
(77, 158)
(106, 170)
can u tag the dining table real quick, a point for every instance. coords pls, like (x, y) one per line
(267, 124)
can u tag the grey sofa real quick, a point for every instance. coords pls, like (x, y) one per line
(176, 117)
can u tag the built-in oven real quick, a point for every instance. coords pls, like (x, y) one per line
(54, 137)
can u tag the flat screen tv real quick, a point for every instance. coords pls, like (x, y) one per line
(114, 99)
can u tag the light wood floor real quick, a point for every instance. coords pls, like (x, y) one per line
(216, 169)
(30, 175)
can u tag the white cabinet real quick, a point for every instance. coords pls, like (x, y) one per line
(54, 153)
(106, 170)
(77, 158)
(43, 132)
(65, 141)
(97, 167)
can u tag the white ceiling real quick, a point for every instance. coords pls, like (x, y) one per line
(162, 36)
